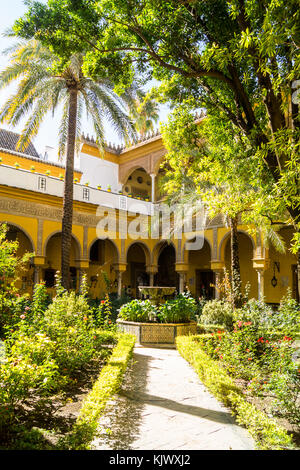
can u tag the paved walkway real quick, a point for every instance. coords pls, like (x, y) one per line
(163, 405)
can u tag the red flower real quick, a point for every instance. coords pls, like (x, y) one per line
(249, 358)
(103, 301)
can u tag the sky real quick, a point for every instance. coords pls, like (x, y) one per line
(48, 132)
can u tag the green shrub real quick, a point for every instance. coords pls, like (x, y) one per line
(138, 311)
(104, 388)
(256, 312)
(266, 433)
(287, 319)
(179, 310)
(217, 312)
(202, 329)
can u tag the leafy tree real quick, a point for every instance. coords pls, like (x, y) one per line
(239, 58)
(43, 85)
(11, 303)
(209, 159)
(144, 113)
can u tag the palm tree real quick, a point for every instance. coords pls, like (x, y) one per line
(145, 113)
(42, 88)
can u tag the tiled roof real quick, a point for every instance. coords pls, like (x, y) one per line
(8, 140)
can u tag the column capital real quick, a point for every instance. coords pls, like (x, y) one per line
(217, 265)
(181, 267)
(261, 264)
(120, 267)
(82, 263)
(39, 260)
(152, 268)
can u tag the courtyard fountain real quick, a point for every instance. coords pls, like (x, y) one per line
(156, 293)
(153, 332)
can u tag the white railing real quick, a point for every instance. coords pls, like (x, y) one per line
(41, 183)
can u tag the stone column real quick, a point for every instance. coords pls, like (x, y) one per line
(217, 267)
(181, 269)
(36, 275)
(152, 187)
(119, 268)
(39, 263)
(151, 270)
(260, 265)
(218, 275)
(119, 276)
(182, 277)
(260, 283)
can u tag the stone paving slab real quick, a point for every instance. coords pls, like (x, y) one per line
(163, 405)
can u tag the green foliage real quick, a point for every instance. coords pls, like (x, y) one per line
(104, 314)
(287, 318)
(179, 310)
(257, 312)
(263, 356)
(12, 304)
(45, 83)
(104, 388)
(138, 311)
(217, 312)
(266, 433)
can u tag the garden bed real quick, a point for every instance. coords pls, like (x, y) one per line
(54, 422)
(269, 433)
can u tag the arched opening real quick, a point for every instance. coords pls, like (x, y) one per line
(103, 255)
(166, 273)
(24, 276)
(136, 274)
(248, 273)
(53, 260)
(138, 184)
(200, 277)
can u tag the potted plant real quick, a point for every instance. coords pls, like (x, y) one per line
(0, 160)
(75, 180)
(61, 176)
(17, 165)
(99, 186)
(32, 168)
(109, 188)
(129, 195)
(87, 183)
(48, 172)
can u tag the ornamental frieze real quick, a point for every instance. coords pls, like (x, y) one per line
(42, 211)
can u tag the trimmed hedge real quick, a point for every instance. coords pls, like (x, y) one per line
(202, 329)
(265, 431)
(105, 387)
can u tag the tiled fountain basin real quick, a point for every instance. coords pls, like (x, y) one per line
(157, 333)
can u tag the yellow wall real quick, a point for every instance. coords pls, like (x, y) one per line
(40, 166)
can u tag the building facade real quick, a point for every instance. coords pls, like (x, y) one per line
(125, 182)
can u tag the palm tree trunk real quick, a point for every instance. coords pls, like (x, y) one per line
(298, 276)
(235, 264)
(68, 191)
